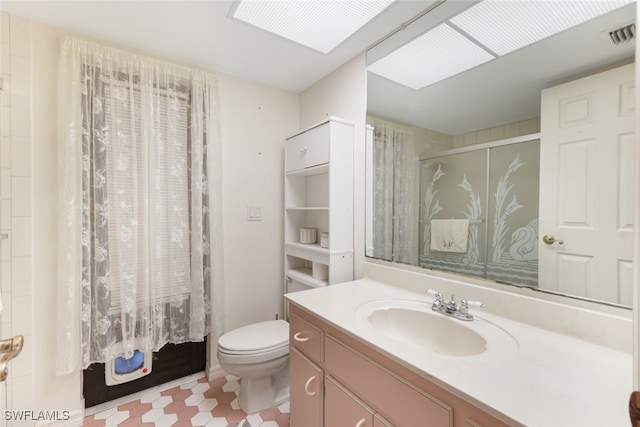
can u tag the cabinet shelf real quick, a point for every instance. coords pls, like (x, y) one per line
(314, 248)
(314, 252)
(307, 208)
(318, 193)
(305, 275)
(314, 170)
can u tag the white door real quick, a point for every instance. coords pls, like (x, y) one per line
(586, 186)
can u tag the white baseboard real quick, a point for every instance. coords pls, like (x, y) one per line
(215, 372)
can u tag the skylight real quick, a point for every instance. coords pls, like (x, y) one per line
(485, 31)
(506, 26)
(319, 24)
(437, 54)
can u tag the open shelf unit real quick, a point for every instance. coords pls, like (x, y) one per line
(319, 194)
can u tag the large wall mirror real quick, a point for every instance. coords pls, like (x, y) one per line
(500, 144)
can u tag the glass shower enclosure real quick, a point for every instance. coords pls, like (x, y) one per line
(478, 212)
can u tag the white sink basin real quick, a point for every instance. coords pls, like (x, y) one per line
(414, 324)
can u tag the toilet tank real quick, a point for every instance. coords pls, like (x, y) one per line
(293, 285)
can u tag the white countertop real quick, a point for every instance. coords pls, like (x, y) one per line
(549, 380)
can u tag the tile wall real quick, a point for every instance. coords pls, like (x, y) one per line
(511, 130)
(16, 252)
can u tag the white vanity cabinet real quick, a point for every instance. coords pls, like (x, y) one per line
(318, 193)
(362, 387)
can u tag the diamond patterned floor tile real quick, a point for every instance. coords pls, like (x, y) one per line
(175, 407)
(161, 402)
(131, 422)
(105, 414)
(140, 409)
(167, 420)
(200, 388)
(187, 413)
(150, 397)
(198, 402)
(117, 418)
(194, 399)
(152, 415)
(201, 418)
(207, 405)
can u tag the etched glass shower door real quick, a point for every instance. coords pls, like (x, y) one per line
(479, 212)
(453, 193)
(514, 176)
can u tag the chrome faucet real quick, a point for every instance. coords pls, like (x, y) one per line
(452, 308)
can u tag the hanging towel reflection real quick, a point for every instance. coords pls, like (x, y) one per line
(449, 235)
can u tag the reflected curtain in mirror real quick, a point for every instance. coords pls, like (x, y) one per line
(394, 190)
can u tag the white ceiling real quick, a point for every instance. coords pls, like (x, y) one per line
(504, 90)
(202, 33)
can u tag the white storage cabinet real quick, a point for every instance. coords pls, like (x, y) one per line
(318, 193)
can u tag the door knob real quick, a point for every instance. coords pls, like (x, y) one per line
(11, 347)
(550, 240)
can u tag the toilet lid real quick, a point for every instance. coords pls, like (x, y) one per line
(257, 336)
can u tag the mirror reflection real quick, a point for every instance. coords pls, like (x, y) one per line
(504, 158)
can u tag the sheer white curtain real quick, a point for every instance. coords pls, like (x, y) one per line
(394, 190)
(135, 250)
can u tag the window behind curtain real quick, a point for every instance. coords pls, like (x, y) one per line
(171, 278)
(135, 132)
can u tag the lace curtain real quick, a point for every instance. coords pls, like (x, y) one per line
(395, 226)
(135, 251)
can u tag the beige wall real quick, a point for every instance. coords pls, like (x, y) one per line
(343, 94)
(18, 251)
(255, 120)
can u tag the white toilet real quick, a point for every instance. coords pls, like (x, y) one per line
(259, 355)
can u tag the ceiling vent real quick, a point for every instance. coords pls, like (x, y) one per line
(623, 34)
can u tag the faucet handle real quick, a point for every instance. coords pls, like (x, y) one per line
(435, 293)
(477, 304)
(464, 305)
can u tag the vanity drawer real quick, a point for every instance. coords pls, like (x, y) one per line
(398, 401)
(342, 408)
(306, 338)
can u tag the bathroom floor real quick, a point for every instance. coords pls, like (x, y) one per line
(194, 403)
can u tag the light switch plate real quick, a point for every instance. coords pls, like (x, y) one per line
(254, 213)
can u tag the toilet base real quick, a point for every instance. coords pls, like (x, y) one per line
(259, 393)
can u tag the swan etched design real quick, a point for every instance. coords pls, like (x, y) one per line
(524, 242)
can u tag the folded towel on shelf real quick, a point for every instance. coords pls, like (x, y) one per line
(449, 235)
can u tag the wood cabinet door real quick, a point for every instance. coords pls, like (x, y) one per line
(306, 390)
(378, 421)
(397, 400)
(343, 409)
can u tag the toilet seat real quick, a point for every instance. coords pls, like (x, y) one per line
(256, 342)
